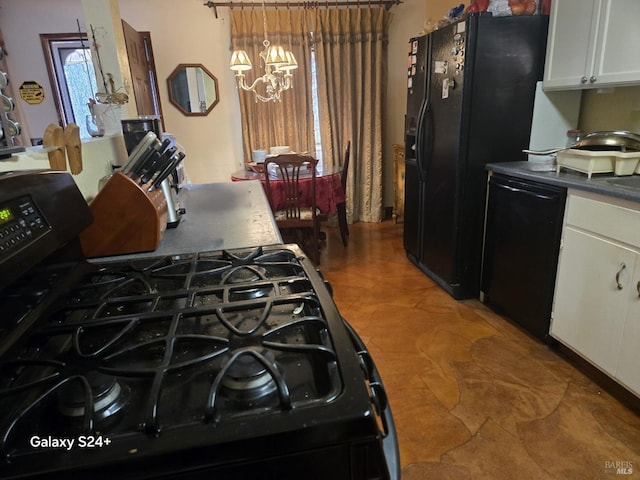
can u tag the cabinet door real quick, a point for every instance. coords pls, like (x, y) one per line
(589, 308)
(628, 371)
(617, 61)
(571, 43)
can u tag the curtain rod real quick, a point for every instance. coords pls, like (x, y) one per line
(304, 4)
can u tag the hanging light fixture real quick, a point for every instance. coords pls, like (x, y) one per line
(277, 62)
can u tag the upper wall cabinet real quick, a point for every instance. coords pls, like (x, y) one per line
(592, 44)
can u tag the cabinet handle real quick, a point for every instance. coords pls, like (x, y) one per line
(509, 188)
(583, 80)
(592, 79)
(638, 287)
(622, 267)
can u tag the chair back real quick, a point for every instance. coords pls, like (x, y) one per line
(288, 169)
(345, 166)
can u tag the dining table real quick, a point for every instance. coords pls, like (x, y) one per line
(329, 191)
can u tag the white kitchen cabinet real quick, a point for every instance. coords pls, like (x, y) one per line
(592, 44)
(628, 371)
(596, 308)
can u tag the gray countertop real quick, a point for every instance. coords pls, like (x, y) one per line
(627, 187)
(218, 216)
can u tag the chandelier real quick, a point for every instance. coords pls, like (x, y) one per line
(277, 63)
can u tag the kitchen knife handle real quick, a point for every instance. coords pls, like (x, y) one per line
(140, 164)
(165, 144)
(137, 152)
(167, 171)
(147, 174)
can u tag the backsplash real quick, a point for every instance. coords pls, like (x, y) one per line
(618, 110)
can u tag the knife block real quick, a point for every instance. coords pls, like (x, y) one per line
(126, 219)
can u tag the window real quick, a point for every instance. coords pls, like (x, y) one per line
(316, 112)
(72, 77)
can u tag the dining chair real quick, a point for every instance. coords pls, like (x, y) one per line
(287, 169)
(342, 206)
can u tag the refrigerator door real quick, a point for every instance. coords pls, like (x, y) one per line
(412, 196)
(417, 70)
(440, 163)
(480, 87)
(417, 65)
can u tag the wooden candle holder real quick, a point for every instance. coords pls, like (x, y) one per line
(126, 219)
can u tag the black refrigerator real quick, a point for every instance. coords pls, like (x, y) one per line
(470, 93)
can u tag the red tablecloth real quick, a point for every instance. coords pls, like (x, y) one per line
(329, 191)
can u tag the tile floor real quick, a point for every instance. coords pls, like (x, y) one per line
(473, 396)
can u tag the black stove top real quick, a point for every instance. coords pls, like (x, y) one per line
(177, 352)
(226, 364)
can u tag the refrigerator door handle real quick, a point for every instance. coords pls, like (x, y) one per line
(419, 139)
(424, 140)
(428, 139)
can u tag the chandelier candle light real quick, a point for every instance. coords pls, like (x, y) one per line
(278, 64)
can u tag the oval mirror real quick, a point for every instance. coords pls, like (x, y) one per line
(193, 89)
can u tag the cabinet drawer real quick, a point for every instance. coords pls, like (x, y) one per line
(618, 222)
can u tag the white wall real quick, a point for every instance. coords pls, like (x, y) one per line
(21, 22)
(186, 31)
(408, 20)
(617, 110)
(181, 32)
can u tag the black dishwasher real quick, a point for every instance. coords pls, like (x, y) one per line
(521, 247)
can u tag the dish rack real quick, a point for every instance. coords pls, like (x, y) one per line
(599, 161)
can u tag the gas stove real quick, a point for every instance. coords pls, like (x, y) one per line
(229, 363)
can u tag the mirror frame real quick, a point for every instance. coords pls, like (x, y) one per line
(180, 107)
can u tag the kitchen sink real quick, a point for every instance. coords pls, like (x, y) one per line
(632, 182)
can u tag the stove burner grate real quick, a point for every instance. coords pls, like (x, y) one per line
(223, 336)
(247, 377)
(248, 374)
